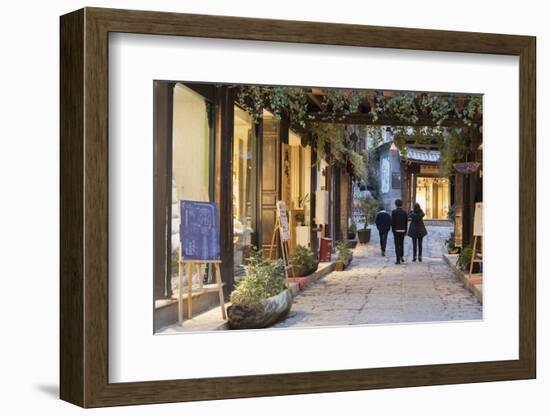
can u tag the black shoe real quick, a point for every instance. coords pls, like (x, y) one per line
(402, 260)
(383, 253)
(397, 262)
(419, 258)
(414, 259)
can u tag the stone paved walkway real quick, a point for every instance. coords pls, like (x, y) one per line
(374, 290)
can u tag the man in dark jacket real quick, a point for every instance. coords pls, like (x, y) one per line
(383, 223)
(399, 222)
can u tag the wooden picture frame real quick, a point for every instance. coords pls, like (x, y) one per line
(84, 207)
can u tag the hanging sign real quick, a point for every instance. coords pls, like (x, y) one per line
(199, 230)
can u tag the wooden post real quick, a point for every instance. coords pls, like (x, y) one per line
(220, 289)
(180, 291)
(189, 290)
(275, 229)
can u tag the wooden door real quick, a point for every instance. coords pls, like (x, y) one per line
(270, 182)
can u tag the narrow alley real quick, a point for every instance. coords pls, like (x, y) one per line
(374, 290)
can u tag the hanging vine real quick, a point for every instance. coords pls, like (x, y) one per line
(333, 138)
(281, 101)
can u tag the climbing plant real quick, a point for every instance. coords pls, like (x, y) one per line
(336, 143)
(281, 101)
(335, 140)
(409, 106)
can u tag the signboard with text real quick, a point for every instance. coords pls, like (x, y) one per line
(283, 221)
(199, 230)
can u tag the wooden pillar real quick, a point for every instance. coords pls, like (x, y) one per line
(344, 203)
(336, 203)
(224, 180)
(162, 155)
(414, 183)
(405, 185)
(470, 188)
(312, 190)
(459, 204)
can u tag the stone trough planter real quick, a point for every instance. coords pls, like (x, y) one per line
(261, 314)
(301, 271)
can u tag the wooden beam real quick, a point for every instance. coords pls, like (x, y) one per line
(312, 98)
(368, 119)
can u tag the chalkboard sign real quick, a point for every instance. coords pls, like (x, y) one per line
(199, 230)
(283, 220)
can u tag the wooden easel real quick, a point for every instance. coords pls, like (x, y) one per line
(476, 257)
(199, 265)
(283, 237)
(478, 236)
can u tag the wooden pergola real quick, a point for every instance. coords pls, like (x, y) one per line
(317, 111)
(467, 187)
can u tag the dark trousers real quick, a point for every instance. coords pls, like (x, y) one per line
(399, 239)
(383, 239)
(417, 244)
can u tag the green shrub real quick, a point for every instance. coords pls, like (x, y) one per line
(450, 242)
(303, 257)
(344, 252)
(262, 280)
(465, 257)
(368, 207)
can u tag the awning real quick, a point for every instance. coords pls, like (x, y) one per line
(421, 155)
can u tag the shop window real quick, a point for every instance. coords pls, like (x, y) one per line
(191, 156)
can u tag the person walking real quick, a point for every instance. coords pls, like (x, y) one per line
(399, 222)
(383, 223)
(417, 230)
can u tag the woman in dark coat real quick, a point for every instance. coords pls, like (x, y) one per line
(417, 230)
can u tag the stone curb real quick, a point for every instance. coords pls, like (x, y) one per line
(298, 284)
(476, 289)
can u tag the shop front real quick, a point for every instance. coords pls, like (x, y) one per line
(208, 148)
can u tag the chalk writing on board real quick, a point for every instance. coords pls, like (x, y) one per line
(283, 220)
(199, 230)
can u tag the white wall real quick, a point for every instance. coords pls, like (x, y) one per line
(29, 150)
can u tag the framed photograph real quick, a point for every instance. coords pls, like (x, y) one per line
(254, 207)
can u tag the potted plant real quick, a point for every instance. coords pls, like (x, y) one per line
(352, 229)
(450, 243)
(261, 298)
(368, 207)
(303, 262)
(344, 255)
(465, 258)
(300, 218)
